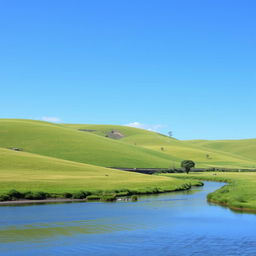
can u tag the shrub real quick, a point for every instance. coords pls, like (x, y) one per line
(92, 197)
(134, 198)
(14, 194)
(79, 195)
(185, 186)
(54, 195)
(155, 190)
(28, 195)
(5, 198)
(67, 195)
(108, 198)
(39, 195)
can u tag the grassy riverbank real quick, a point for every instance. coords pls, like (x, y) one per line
(30, 197)
(26, 172)
(238, 194)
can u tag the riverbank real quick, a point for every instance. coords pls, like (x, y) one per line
(156, 225)
(235, 209)
(45, 201)
(239, 194)
(18, 198)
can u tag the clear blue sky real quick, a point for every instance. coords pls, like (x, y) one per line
(180, 65)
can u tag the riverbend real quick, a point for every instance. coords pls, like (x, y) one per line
(180, 223)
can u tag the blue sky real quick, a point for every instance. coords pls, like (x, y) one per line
(180, 65)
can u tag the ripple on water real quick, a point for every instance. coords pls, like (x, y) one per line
(167, 224)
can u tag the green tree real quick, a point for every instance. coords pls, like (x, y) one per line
(170, 133)
(187, 165)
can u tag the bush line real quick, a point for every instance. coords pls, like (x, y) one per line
(112, 195)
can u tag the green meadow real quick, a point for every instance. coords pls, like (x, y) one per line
(59, 158)
(63, 142)
(137, 148)
(31, 172)
(177, 150)
(245, 148)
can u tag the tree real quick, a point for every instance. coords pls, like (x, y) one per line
(170, 133)
(187, 165)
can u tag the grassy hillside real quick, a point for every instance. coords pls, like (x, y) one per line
(177, 150)
(103, 129)
(70, 144)
(135, 148)
(30, 172)
(58, 158)
(239, 194)
(245, 148)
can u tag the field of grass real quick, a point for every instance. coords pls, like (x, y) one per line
(138, 148)
(70, 144)
(175, 149)
(30, 172)
(238, 194)
(245, 148)
(59, 158)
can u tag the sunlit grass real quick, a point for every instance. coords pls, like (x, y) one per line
(176, 150)
(239, 193)
(30, 172)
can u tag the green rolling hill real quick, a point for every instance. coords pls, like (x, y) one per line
(178, 150)
(71, 157)
(245, 148)
(121, 146)
(71, 144)
(31, 172)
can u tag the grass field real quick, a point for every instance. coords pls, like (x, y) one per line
(238, 194)
(138, 148)
(70, 144)
(60, 158)
(245, 148)
(177, 150)
(30, 172)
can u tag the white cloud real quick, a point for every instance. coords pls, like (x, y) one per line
(135, 125)
(51, 119)
(150, 127)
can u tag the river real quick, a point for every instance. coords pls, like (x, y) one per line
(174, 224)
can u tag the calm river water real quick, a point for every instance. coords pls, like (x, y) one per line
(168, 224)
